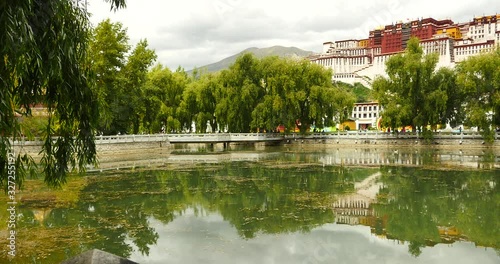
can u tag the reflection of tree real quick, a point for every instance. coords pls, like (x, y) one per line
(415, 248)
(488, 158)
(262, 199)
(420, 204)
(415, 205)
(253, 198)
(120, 211)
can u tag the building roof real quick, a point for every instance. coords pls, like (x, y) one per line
(367, 103)
(488, 42)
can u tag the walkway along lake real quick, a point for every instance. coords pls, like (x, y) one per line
(119, 143)
(294, 203)
(344, 137)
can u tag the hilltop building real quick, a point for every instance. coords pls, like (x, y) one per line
(360, 60)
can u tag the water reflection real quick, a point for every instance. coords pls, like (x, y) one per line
(427, 207)
(326, 155)
(288, 208)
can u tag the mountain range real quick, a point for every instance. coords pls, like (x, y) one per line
(259, 53)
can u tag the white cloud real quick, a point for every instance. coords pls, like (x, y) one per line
(198, 32)
(211, 239)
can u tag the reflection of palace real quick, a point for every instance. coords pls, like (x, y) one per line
(381, 157)
(355, 208)
(41, 214)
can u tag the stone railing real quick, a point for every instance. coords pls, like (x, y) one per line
(262, 137)
(384, 135)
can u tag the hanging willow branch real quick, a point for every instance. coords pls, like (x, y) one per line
(43, 46)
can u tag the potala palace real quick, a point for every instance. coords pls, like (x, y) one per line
(361, 60)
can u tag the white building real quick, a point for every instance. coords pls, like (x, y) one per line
(366, 115)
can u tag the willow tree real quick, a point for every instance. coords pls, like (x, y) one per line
(313, 100)
(479, 79)
(412, 94)
(272, 111)
(199, 103)
(239, 94)
(44, 61)
(108, 49)
(299, 92)
(164, 90)
(135, 72)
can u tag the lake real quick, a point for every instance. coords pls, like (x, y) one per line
(271, 205)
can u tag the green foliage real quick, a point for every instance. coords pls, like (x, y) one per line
(44, 60)
(188, 108)
(251, 94)
(415, 206)
(414, 93)
(33, 126)
(273, 91)
(107, 51)
(450, 98)
(164, 92)
(203, 102)
(240, 94)
(403, 94)
(121, 79)
(135, 73)
(479, 81)
(418, 95)
(259, 94)
(314, 100)
(428, 136)
(116, 4)
(362, 93)
(419, 202)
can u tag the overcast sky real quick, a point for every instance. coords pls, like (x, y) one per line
(211, 239)
(191, 33)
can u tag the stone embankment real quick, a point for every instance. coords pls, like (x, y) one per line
(374, 138)
(121, 152)
(123, 144)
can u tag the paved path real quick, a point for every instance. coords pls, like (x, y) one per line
(265, 137)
